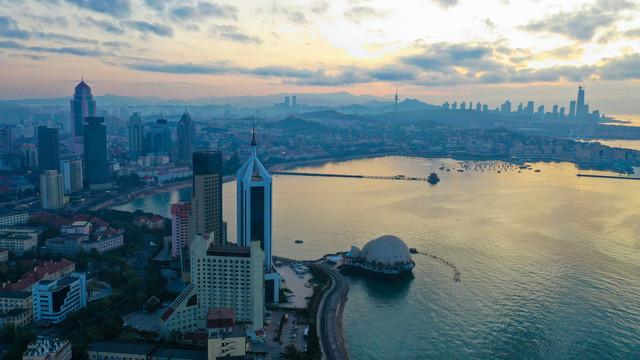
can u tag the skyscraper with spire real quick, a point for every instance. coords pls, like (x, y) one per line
(255, 204)
(82, 106)
(186, 137)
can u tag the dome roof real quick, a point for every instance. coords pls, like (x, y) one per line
(386, 250)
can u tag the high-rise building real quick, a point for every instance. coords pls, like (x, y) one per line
(454, 106)
(28, 157)
(186, 137)
(206, 197)
(72, 175)
(572, 111)
(505, 109)
(51, 190)
(95, 155)
(254, 204)
(82, 106)
(478, 106)
(6, 138)
(136, 136)
(159, 138)
(223, 276)
(179, 226)
(48, 148)
(293, 100)
(555, 112)
(286, 101)
(540, 112)
(529, 109)
(463, 106)
(581, 111)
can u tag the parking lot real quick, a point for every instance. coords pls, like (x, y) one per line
(292, 333)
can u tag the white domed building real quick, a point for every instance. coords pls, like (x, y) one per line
(386, 256)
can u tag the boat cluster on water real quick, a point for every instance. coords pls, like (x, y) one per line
(487, 166)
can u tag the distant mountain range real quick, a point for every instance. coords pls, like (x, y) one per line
(335, 99)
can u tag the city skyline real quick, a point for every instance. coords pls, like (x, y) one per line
(505, 50)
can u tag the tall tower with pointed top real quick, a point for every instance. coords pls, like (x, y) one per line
(186, 137)
(82, 106)
(255, 204)
(396, 102)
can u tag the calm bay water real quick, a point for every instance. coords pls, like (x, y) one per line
(549, 262)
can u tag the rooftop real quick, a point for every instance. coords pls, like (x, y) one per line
(14, 294)
(229, 250)
(220, 318)
(121, 347)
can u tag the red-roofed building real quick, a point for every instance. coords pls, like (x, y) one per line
(43, 270)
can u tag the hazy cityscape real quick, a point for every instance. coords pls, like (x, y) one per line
(376, 193)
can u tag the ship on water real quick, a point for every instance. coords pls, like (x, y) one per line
(433, 178)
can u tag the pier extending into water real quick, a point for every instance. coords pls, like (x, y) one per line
(395, 177)
(609, 177)
(456, 273)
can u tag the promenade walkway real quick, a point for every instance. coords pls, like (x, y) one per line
(330, 316)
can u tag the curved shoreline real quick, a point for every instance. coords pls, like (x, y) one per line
(330, 329)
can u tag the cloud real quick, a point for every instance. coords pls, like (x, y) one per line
(233, 33)
(188, 68)
(489, 24)
(205, 10)
(48, 20)
(583, 24)
(32, 57)
(78, 51)
(65, 38)
(146, 28)
(320, 7)
(359, 13)
(115, 8)
(103, 25)
(9, 29)
(393, 73)
(117, 45)
(445, 4)
(157, 4)
(621, 68)
(293, 15)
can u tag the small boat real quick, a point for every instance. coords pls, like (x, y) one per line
(448, 169)
(413, 250)
(442, 168)
(537, 170)
(433, 178)
(299, 241)
(460, 170)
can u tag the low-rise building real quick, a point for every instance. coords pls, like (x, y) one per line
(54, 300)
(17, 240)
(43, 270)
(14, 218)
(45, 348)
(66, 245)
(111, 350)
(19, 317)
(12, 300)
(4, 255)
(79, 227)
(109, 240)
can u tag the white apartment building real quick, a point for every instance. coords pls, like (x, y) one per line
(54, 299)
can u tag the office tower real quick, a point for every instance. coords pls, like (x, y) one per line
(71, 175)
(53, 300)
(254, 204)
(446, 105)
(454, 106)
(520, 110)
(82, 106)
(51, 190)
(136, 136)
(293, 99)
(223, 276)
(48, 148)
(595, 116)
(572, 110)
(286, 101)
(540, 112)
(562, 116)
(581, 112)
(555, 112)
(179, 226)
(96, 168)
(529, 109)
(485, 108)
(6, 138)
(206, 197)
(478, 106)
(159, 138)
(463, 106)
(186, 137)
(28, 157)
(505, 109)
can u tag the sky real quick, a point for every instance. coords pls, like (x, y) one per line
(432, 50)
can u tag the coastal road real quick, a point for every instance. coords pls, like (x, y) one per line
(330, 317)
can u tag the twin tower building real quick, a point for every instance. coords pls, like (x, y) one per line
(222, 275)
